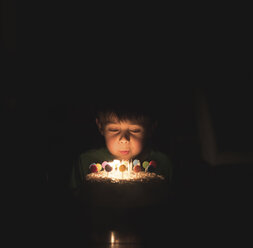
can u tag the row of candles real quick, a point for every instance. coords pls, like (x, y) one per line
(121, 168)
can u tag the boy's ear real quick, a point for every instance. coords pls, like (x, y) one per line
(99, 126)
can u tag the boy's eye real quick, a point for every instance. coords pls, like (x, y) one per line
(135, 130)
(113, 130)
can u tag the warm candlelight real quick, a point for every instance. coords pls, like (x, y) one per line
(120, 168)
(123, 170)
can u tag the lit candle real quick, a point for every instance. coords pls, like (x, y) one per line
(116, 163)
(120, 169)
(130, 167)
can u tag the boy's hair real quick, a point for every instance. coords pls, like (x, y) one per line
(139, 113)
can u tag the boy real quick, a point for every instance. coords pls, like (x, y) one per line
(127, 131)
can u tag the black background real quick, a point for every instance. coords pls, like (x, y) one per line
(59, 61)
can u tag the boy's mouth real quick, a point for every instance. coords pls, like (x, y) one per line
(124, 152)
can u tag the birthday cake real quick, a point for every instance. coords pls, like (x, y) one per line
(125, 184)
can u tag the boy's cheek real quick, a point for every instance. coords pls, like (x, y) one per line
(138, 148)
(111, 145)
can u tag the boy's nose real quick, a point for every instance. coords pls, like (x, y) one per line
(125, 138)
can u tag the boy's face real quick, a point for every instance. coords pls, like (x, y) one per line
(124, 139)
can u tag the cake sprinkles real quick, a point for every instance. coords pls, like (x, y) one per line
(141, 176)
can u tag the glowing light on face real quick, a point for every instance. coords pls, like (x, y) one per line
(124, 139)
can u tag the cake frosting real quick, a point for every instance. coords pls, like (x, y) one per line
(133, 177)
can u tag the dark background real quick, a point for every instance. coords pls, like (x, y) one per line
(57, 64)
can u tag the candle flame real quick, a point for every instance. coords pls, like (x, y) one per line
(112, 237)
(115, 173)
